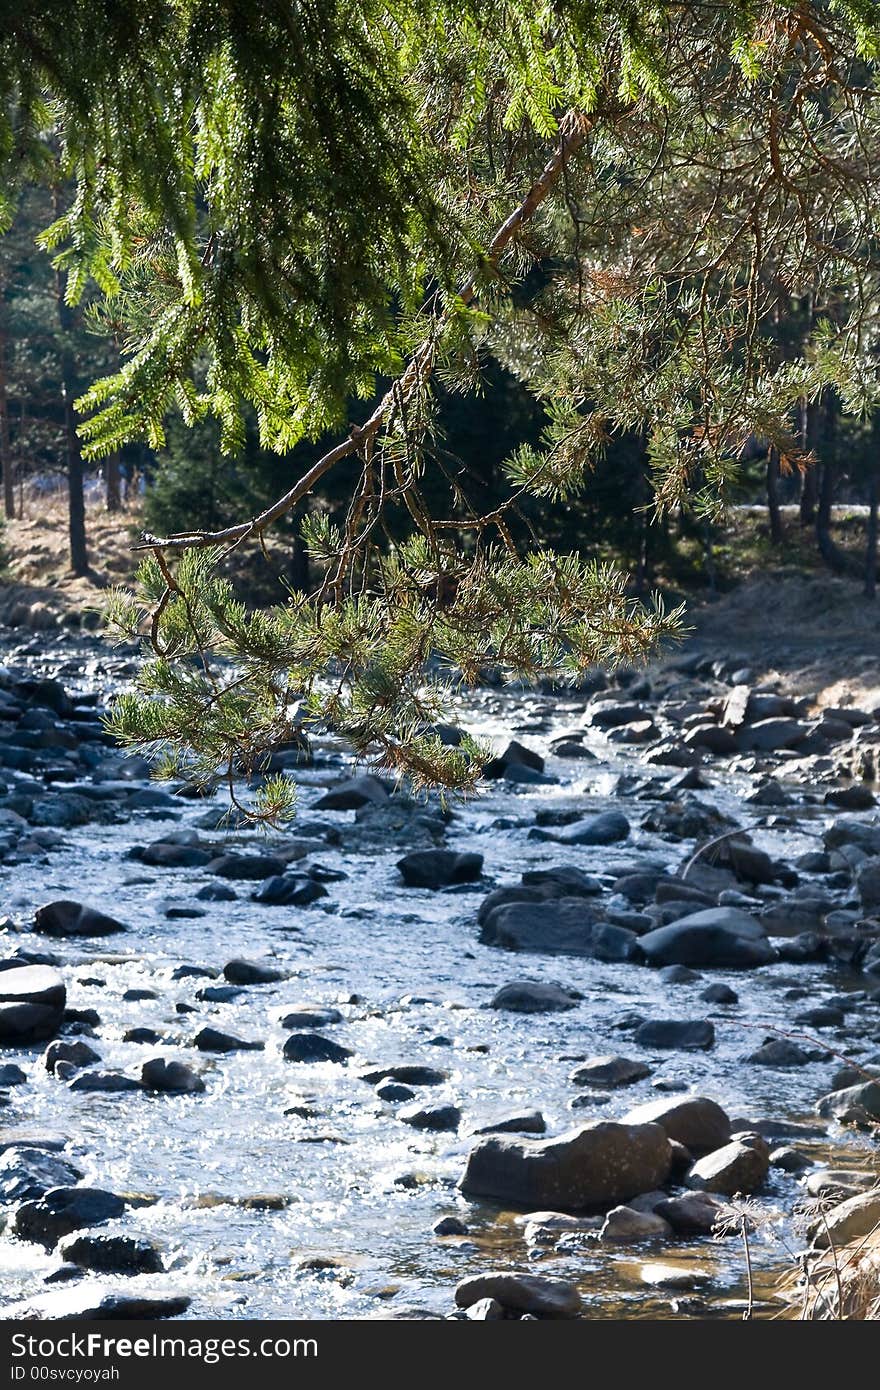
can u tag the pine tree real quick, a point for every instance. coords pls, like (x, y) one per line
(284, 205)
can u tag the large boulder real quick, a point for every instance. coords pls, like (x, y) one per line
(68, 918)
(854, 1104)
(600, 1164)
(32, 999)
(695, 1121)
(736, 1167)
(521, 1293)
(438, 868)
(723, 937)
(851, 1220)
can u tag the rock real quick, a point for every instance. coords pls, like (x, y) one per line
(535, 997)
(172, 1077)
(674, 1277)
(485, 1310)
(411, 1074)
(605, 829)
(771, 735)
(62, 1210)
(624, 1226)
(685, 1035)
(78, 1054)
(213, 1040)
(849, 1221)
(112, 1254)
(313, 1047)
(438, 868)
(289, 890)
(719, 994)
(600, 1163)
(611, 714)
(779, 1052)
(252, 972)
(310, 1016)
(352, 794)
(147, 1036)
(560, 881)
(609, 1071)
(691, 1214)
(246, 866)
(712, 737)
(855, 1104)
(868, 883)
(695, 1121)
(26, 1174)
(790, 1160)
(519, 1122)
(108, 1082)
(67, 918)
(450, 1226)
(162, 855)
(392, 1091)
(822, 1016)
(737, 1167)
(435, 1117)
(517, 754)
(563, 926)
(521, 1293)
(11, 1074)
(722, 937)
(90, 1302)
(32, 999)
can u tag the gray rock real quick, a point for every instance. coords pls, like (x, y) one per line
(393, 1091)
(68, 918)
(691, 1213)
(720, 937)
(607, 828)
(108, 1082)
(213, 1040)
(246, 866)
(521, 1293)
(855, 1104)
(11, 1074)
(313, 1047)
(599, 1163)
(770, 735)
(681, 1034)
(535, 997)
(611, 714)
(695, 1121)
(32, 999)
(737, 1167)
(851, 1220)
(441, 1118)
(26, 1174)
(609, 1071)
(62, 1210)
(115, 1254)
(310, 1016)
(485, 1310)
(352, 794)
(90, 1302)
(410, 1073)
(173, 1078)
(77, 1053)
(563, 926)
(162, 855)
(778, 1052)
(719, 994)
(790, 1160)
(438, 868)
(519, 1122)
(450, 1226)
(252, 972)
(625, 1226)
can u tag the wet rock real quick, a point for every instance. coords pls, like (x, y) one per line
(868, 884)
(246, 866)
(91, 1302)
(32, 999)
(674, 1277)
(839, 1183)
(11, 1074)
(849, 1221)
(173, 1078)
(607, 828)
(27, 1174)
(713, 737)
(822, 1016)
(352, 794)
(563, 926)
(410, 1074)
(392, 1091)
(62, 1210)
(609, 1072)
(737, 1167)
(108, 1082)
(611, 714)
(450, 1226)
(854, 1105)
(68, 918)
(600, 1163)
(217, 893)
(290, 890)
(252, 972)
(78, 1054)
(434, 1117)
(720, 937)
(313, 1047)
(515, 754)
(695, 1121)
(104, 1254)
(438, 868)
(771, 735)
(691, 1213)
(719, 994)
(624, 1226)
(310, 1016)
(678, 975)
(163, 855)
(521, 1293)
(790, 1160)
(141, 1035)
(779, 1052)
(535, 997)
(213, 1040)
(215, 994)
(682, 1034)
(519, 1122)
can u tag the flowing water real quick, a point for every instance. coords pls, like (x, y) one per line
(263, 1214)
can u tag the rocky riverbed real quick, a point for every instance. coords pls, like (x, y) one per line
(516, 1059)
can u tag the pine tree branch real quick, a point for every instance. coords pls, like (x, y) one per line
(573, 130)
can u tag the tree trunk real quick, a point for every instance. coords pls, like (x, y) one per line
(871, 538)
(79, 557)
(5, 447)
(833, 556)
(113, 495)
(809, 477)
(773, 512)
